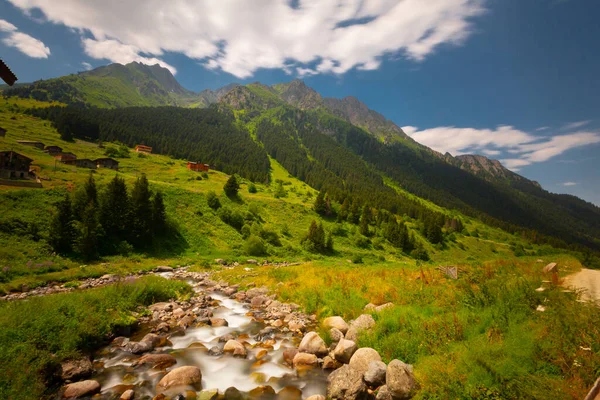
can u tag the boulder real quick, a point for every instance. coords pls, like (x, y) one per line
(258, 300)
(76, 369)
(232, 393)
(375, 375)
(127, 395)
(384, 394)
(344, 351)
(370, 307)
(383, 307)
(305, 360)
(160, 361)
(289, 354)
(336, 335)
(337, 323)
(138, 347)
(360, 324)
(153, 339)
(552, 267)
(235, 347)
(163, 268)
(330, 363)
(182, 376)
(400, 380)
(361, 359)
(215, 351)
(313, 344)
(81, 389)
(346, 384)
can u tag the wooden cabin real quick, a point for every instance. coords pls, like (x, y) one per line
(66, 158)
(197, 166)
(31, 143)
(14, 165)
(85, 163)
(107, 163)
(140, 148)
(53, 150)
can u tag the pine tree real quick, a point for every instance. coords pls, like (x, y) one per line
(354, 214)
(61, 228)
(159, 215)
(344, 210)
(88, 233)
(84, 196)
(231, 187)
(115, 214)
(365, 220)
(328, 209)
(141, 212)
(320, 205)
(315, 240)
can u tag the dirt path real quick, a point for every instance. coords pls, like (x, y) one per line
(587, 279)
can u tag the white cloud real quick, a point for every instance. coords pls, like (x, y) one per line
(524, 148)
(569, 184)
(542, 128)
(86, 65)
(575, 125)
(240, 37)
(120, 53)
(27, 45)
(23, 42)
(6, 26)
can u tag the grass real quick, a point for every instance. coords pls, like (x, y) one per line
(479, 337)
(64, 326)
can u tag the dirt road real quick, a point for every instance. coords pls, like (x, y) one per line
(587, 279)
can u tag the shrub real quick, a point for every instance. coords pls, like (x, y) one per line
(231, 217)
(212, 200)
(357, 259)
(255, 246)
(252, 188)
(420, 253)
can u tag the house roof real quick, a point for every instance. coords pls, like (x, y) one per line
(106, 159)
(16, 154)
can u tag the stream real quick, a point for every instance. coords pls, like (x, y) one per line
(264, 364)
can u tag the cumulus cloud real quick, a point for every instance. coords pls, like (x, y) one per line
(23, 42)
(240, 37)
(524, 148)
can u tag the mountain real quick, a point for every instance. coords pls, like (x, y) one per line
(485, 168)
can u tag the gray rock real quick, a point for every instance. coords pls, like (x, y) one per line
(344, 351)
(384, 394)
(138, 347)
(375, 375)
(400, 380)
(346, 384)
(76, 369)
(336, 335)
(313, 344)
(359, 325)
(361, 359)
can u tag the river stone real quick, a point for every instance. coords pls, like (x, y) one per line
(336, 335)
(138, 347)
(76, 369)
(217, 322)
(400, 380)
(346, 384)
(262, 393)
(235, 347)
(153, 339)
(80, 389)
(552, 267)
(163, 268)
(188, 376)
(161, 361)
(337, 323)
(313, 344)
(344, 351)
(289, 393)
(375, 375)
(305, 360)
(330, 363)
(178, 312)
(361, 359)
(211, 394)
(215, 351)
(296, 325)
(258, 300)
(316, 397)
(127, 395)
(384, 394)
(289, 354)
(232, 393)
(226, 338)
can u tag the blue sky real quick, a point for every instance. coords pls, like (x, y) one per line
(516, 80)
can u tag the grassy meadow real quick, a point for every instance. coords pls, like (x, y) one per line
(480, 337)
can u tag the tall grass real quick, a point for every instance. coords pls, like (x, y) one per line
(37, 334)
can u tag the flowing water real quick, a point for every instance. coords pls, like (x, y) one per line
(114, 371)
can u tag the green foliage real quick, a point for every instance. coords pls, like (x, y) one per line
(420, 253)
(62, 326)
(231, 187)
(141, 212)
(121, 152)
(252, 188)
(316, 240)
(61, 233)
(88, 233)
(213, 200)
(255, 246)
(279, 191)
(231, 217)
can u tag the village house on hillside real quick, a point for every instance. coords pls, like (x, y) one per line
(14, 165)
(140, 148)
(31, 143)
(85, 163)
(197, 166)
(53, 150)
(66, 158)
(2, 132)
(107, 163)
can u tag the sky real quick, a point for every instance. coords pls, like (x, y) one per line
(514, 80)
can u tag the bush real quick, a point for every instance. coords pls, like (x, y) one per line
(212, 200)
(252, 188)
(357, 259)
(255, 246)
(361, 241)
(420, 253)
(231, 217)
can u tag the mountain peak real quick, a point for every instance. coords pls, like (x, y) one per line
(299, 95)
(488, 169)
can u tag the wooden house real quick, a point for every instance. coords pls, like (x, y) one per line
(31, 143)
(14, 165)
(2, 132)
(140, 148)
(197, 166)
(53, 150)
(85, 163)
(107, 163)
(66, 158)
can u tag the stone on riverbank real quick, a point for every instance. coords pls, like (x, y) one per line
(182, 376)
(360, 324)
(400, 380)
(235, 347)
(80, 389)
(361, 359)
(160, 361)
(344, 351)
(76, 369)
(313, 344)
(305, 360)
(337, 323)
(375, 375)
(346, 384)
